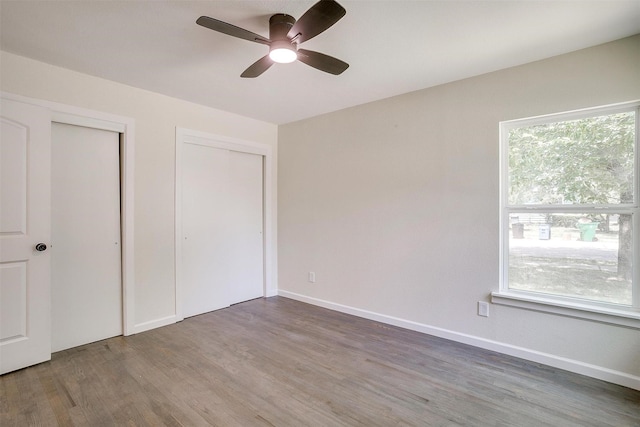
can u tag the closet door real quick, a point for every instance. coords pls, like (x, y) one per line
(246, 246)
(222, 247)
(86, 283)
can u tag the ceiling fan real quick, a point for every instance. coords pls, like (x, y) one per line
(285, 34)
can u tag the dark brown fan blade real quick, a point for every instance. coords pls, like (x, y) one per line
(322, 62)
(231, 30)
(258, 67)
(318, 18)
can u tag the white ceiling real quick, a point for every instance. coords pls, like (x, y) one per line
(392, 46)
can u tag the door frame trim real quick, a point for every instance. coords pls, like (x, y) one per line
(68, 114)
(188, 136)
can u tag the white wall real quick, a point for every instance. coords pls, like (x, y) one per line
(156, 117)
(394, 206)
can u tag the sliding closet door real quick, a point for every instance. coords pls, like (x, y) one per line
(86, 275)
(222, 247)
(204, 219)
(246, 246)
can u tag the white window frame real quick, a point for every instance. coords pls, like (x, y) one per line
(628, 316)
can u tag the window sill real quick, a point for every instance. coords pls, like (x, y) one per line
(627, 318)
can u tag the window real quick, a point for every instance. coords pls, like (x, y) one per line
(569, 209)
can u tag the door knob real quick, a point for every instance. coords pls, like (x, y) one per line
(41, 247)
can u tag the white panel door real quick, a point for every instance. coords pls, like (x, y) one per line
(25, 328)
(86, 284)
(222, 248)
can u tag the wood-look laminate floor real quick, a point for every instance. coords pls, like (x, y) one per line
(279, 362)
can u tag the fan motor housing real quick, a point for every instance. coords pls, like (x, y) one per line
(279, 26)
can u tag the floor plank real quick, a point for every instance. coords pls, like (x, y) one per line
(279, 362)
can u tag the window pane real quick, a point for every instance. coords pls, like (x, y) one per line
(585, 161)
(574, 255)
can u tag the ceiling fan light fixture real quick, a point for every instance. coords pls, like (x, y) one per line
(282, 52)
(285, 35)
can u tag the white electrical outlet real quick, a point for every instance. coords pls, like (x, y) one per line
(483, 309)
(312, 277)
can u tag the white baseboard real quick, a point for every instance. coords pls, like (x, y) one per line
(152, 324)
(594, 371)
